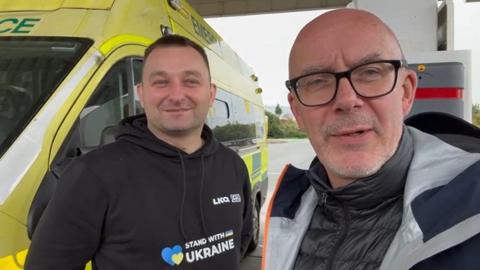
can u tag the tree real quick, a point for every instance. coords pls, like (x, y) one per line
(283, 128)
(278, 110)
(274, 126)
(476, 114)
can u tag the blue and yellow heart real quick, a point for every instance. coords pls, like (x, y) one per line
(172, 256)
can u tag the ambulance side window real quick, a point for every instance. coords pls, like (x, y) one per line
(107, 106)
(137, 78)
(232, 119)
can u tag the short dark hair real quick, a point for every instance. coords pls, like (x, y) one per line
(176, 41)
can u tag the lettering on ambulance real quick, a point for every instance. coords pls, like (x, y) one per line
(202, 31)
(200, 249)
(18, 26)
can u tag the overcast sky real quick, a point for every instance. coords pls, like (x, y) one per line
(264, 42)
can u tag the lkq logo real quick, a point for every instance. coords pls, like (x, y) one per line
(233, 198)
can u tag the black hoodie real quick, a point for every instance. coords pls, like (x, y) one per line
(140, 203)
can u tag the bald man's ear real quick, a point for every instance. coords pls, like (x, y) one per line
(409, 86)
(294, 106)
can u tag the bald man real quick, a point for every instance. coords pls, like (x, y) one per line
(379, 194)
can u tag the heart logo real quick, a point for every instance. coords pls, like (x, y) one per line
(177, 258)
(172, 256)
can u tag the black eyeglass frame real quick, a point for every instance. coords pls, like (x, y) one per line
(292, 83)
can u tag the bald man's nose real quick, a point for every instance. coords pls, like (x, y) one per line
(346, 97)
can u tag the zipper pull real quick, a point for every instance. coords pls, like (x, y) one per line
(324, 200)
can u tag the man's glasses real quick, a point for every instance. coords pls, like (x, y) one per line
(370, 80)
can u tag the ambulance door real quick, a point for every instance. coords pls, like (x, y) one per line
(108, 97)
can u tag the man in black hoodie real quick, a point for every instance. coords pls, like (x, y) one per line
(165, 195)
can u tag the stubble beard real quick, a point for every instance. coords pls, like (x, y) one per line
(352, 170)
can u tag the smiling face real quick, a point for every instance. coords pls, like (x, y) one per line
(176, 92)
(352, 136)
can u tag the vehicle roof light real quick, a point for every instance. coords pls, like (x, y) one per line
(175, 4)
(421, 68)
(166, 30)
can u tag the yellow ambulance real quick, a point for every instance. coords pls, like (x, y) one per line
(68, 70)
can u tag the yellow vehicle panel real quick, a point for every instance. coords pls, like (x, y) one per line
(29, 5)
(225, 61)
(117, 29)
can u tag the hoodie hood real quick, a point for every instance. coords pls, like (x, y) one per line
(134, 129)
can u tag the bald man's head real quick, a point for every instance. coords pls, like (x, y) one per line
(354, 119)
(342, 33)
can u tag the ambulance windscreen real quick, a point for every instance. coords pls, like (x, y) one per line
(31, 68)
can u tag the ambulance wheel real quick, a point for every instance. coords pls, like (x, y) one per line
(256, 226)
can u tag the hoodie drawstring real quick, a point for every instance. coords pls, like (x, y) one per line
(184, 196)
(202, 180)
